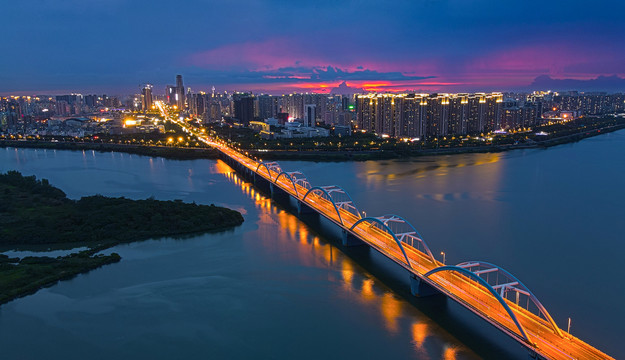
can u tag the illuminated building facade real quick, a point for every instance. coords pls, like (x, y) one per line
(429, 115)
(146, 97)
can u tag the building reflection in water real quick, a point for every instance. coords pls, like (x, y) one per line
(382, 174)
(356, 283)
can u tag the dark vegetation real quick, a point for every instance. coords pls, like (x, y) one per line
(19, 278)
(34, 212)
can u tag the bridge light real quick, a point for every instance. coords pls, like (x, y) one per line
(443, 253)
(568, 329)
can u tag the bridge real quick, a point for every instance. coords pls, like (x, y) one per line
(485, 289)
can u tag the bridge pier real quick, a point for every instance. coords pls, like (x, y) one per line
(249, 174)
(302, 208)
(350, 240)
(262, 183)
(277, 193)
(420, 288)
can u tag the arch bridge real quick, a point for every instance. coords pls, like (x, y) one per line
(487, 290)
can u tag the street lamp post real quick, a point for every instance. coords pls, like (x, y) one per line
(568, 329)
(443, 253)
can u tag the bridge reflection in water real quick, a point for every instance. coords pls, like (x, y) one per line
(356, 284)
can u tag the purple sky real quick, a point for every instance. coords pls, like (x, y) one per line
(114, 46)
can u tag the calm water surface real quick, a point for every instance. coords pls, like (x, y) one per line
(278, 287)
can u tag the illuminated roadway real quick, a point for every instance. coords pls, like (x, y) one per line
(488, 291)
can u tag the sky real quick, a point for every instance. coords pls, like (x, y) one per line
(116, 46)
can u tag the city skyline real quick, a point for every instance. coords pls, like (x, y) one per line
(276, 47)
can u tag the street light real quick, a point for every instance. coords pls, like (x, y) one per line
(443, 253)
(568, 329)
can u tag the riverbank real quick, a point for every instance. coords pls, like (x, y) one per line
(34, 212)
(537, 142)
(560, 136)
(21, 277)
(168, 152)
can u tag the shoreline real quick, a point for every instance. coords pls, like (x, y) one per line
(70, 265)
(192, 153)
(35, 213)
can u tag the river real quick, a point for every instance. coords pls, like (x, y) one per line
(278, 287)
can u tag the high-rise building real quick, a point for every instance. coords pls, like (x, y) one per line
(425, 115)
(170, 95)
(180, 93)
(197, 103)
(459, 114)
(267, 106)
(310, 114)
(146, 97)
(244, 107)
(294, 105)
(214, 112)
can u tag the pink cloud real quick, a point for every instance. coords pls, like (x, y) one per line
(302, 68)
(546, 59)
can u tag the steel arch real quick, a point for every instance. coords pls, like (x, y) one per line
(329, 196)
(266, 165)
(535, 300)
(301, 180)
(380, 222)
(334, 188)
(485, 284)
(290, 178)
(425, 245)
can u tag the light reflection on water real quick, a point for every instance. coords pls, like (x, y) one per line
(356, 284)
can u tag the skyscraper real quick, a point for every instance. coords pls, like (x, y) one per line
(146, 97)
(170, 94)
(244, 107)
(180, 93)
(310, 114)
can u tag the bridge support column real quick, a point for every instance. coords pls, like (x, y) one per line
(262, 184)
(350, 240)
(302, 208)
(420, 288)
(277, 193)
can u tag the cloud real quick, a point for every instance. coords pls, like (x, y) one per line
(345, 89)
(612, 83)
(300, 75)
(292, 64)
(332, 73)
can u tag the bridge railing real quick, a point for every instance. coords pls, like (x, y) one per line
(512, 290)
(487, 288)
(407, 233)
